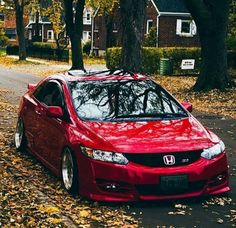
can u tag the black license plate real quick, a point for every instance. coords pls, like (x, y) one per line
(174, 183)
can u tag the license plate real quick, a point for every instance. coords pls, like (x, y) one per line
(174, 183)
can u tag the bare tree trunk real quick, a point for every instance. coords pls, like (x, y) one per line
(74, 29)
(133, 16)
(19, 10)
(109, 30)
(37, 35)
(77, 56)
(211, 18)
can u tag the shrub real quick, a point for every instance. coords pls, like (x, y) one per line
(3, 41)
(150, 39)
(232, 59)
(43, 45)
(231, 43)
(176, 55)
(12, 50)
(113, 57)
(87, 47)
(151, 58)
(41, 51)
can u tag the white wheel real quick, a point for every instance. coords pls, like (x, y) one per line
(20, 140)
(69, 171)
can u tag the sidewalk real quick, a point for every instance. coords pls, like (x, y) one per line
(60, 66)
(35, 60)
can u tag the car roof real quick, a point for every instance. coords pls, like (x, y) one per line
(104, 75)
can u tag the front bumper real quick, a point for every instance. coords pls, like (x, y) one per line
(110, 182)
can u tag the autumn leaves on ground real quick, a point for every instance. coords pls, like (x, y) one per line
(32, 196)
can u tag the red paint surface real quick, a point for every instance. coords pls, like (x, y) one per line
(48, 136)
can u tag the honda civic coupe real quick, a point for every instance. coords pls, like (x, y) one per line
(119, 136)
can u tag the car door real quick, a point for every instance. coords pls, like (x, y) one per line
(52, 136)
(31, 115)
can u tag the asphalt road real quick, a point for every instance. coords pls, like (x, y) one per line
(16, 83)
(198, 212)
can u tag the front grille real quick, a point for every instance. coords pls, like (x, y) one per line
(156, 159)
(155, 189)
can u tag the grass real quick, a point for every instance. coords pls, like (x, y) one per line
(2, 51)
(11, 62)
(97, 61)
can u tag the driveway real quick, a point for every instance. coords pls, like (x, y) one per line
(200, 212)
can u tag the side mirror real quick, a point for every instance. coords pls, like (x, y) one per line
(31, 86)
(54, 111)
(187, 106)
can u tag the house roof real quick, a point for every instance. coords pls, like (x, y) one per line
(171, 6)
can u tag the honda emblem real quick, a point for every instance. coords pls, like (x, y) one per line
(169, 159)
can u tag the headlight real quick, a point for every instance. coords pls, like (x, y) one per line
(105, 156)
(214, 151)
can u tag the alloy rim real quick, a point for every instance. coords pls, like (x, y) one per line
(67, 169)
(19, 134)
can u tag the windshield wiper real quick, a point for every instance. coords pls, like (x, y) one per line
(152, 115)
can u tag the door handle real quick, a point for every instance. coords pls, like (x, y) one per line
(38, 111)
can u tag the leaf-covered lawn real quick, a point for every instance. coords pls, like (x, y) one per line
(213, 102)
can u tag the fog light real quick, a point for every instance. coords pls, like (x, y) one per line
(218, 179)
(111, 187)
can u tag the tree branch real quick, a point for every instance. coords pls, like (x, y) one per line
(199, 10)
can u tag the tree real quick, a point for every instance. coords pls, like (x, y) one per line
(53, 10)
(231, 40)
(74, 27)
(106, 9)
(34, 9)
(132, 16)
(3, 38)
(232, 19)
(151, 38)
(19, 8)
(211, 17)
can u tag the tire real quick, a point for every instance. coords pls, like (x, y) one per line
(69, 172)
(20, 138)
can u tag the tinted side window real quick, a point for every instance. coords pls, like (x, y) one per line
(52, 95)
(39, 92)
(49, 94)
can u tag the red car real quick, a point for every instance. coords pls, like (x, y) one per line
(119, 136)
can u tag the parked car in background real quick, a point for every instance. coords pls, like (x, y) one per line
(119, 136)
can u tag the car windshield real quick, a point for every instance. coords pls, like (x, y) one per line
(114, 100)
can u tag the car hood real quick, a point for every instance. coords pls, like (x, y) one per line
(177, 135)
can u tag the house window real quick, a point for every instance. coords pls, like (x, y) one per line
(40, 19)
(86, 36)
(149, 25)
(87, 18)
(50, 35)
(30, 34)
(10, 33)
(115, 27)
(2, 17)
(186, 28)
